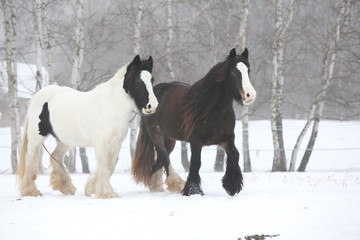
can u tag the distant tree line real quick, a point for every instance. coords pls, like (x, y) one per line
(305, 55)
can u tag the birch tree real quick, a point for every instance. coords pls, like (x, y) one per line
(327, 68)
(210, 19)
(169, 39)
(279, 160)
(46, 41)
(241, 36)
(245, 116)
(37, 27)
(79, 44)
(134, 119)
(168, 51)
(77, 59)
(9, 13)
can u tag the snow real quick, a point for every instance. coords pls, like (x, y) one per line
(322, 203)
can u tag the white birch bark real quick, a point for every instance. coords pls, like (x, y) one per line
(134, 119)
(79, 44)
(279, 160)
(137, 26)
(9, 13)
(168, 43)
(37, 27)
(78, 56)
(46, 41)
(169, 39)
(301, 138)
(245, 111)
(327, 69)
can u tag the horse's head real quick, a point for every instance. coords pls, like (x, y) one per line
(138, 83)
(239, 74)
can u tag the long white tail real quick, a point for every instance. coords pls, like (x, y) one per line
(23, 151)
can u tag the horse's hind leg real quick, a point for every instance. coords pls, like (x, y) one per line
(59, 178)
(99, 183)
(30, 169)
(173, 181)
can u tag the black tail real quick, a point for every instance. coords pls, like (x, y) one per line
(45, 127)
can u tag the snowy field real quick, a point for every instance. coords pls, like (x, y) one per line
(323, 203)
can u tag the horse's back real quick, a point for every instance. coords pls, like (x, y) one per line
(162, 88)
(64, 112)
(169, 112)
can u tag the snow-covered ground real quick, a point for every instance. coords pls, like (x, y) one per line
(323, 203)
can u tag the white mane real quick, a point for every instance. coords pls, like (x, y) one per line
(120, 73)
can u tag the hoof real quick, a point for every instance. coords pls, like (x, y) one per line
(69, 190)
(232, 183)
(108, 195)
(34, 193)
(192, 189)
(157, 188)
(176, 186)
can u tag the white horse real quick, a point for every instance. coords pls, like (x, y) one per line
(98, 118)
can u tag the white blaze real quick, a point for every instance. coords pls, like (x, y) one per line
(246, 84)
(146, 78)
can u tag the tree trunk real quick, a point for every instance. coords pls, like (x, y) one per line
(245, 116)
(219, 159)
(245, 139)
(134, 119)
(220, 152)
(169, 40)
(9, 13)
(37, 26)
(184, 156)
(46, 41)
(300, 138)
(84, 160)
(137, 27)
(279, 160)
(79, 44)
(78, 56)
(70, 160)
(310, 146)
(327, 69)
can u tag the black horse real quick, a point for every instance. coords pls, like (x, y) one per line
(201, 114)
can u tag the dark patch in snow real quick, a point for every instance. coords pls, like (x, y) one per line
(259, 237)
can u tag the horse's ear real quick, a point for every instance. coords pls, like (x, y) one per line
(150, 60)
(232, 53)
(245, 54)
(136, 60)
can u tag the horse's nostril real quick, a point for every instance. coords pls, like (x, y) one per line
(248, 95)
(149, 106)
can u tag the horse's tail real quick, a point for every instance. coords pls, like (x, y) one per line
(144, 158)
(23, 151)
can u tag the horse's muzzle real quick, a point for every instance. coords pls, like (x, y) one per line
(148, 111)
(150, 107)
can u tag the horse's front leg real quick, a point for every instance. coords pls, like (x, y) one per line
(193, 182)
(233, 179)
(99, 183)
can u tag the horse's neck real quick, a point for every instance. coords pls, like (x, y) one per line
(113, 91)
